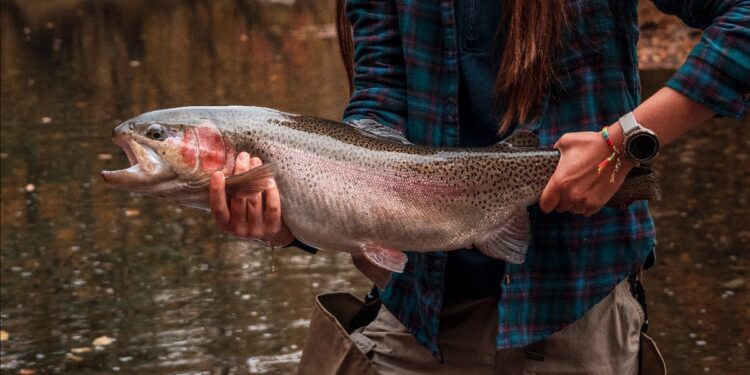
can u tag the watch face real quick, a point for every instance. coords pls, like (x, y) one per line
(643, 147)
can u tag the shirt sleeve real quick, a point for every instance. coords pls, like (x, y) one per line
(717, 71)
(379, 73)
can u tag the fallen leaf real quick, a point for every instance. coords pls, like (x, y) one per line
(103, 341)
(80, 350)
(73, 357)
(735, 283)
(4, 335)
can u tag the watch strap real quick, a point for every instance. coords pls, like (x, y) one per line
(628, 124)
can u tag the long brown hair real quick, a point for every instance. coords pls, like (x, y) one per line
(533, 38)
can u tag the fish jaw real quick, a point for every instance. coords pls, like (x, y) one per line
(147, 171)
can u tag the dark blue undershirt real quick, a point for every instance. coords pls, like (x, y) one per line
(469, 273)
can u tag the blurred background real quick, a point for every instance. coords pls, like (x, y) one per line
(95, 280)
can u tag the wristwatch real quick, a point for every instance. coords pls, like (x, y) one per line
(639, 144)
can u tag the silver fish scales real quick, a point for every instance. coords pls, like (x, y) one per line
(345, 188)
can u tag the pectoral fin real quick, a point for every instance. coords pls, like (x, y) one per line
(392, 260)
(510, 241)
(251, 182)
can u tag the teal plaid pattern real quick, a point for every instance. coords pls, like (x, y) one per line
(406, 76)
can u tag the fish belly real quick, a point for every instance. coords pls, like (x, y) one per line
(343, 209)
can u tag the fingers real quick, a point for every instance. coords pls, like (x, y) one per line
(247, 216)
(574, 186)
(256, 228)
(550, 196)
(564, 197)
(238, 207)
(591, 211)
(217, 198)
(566, 205)
(272, 211)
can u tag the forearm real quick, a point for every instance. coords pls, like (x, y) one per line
(579, 186)
(667, 113)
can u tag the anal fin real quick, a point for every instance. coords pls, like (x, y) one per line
(392, 260)
(509, 242)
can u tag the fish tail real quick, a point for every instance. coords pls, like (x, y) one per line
(640, 184)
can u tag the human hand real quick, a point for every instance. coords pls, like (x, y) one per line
(576, 186)
(249, 216)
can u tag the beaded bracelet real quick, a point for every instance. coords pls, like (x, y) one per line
(615, 155)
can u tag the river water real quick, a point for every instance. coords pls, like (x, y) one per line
(81, 261)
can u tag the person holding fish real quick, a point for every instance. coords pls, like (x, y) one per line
(468, 74)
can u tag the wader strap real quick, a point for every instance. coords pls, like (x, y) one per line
(639, 292)
(369, 310)
(535, 351)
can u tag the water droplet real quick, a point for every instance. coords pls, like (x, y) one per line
(273, 261)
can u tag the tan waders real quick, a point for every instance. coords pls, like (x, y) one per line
(607, 340)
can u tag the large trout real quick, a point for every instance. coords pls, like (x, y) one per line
(347, 189)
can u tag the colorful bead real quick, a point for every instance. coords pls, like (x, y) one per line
(615, 155)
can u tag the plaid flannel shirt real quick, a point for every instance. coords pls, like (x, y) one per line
(406, 77)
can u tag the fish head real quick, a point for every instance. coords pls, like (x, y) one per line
(171, 157)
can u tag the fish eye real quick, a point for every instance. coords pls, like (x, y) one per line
(157, 132)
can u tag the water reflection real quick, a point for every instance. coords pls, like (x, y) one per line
(80, 261)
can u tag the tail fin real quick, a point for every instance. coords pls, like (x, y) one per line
(640, 184)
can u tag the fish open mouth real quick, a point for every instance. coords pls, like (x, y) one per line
(146, 167)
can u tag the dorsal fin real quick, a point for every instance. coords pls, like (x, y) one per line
(372, 128)
(521, 139)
